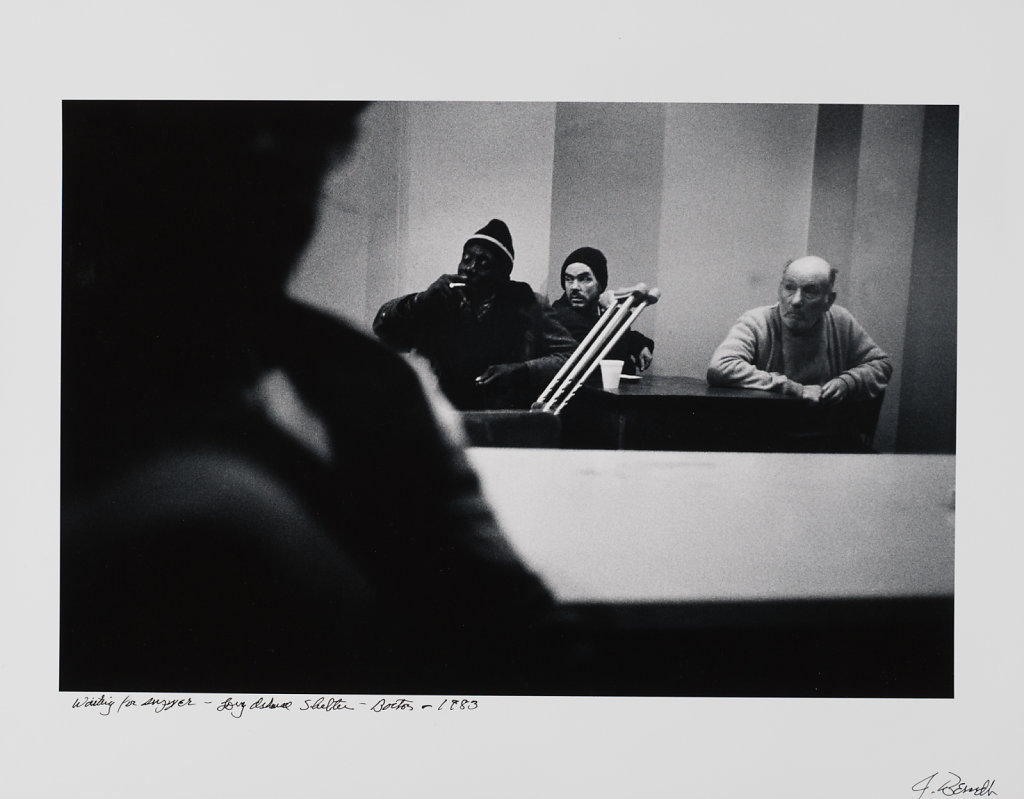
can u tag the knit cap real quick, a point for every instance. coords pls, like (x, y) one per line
(592, 258)
(496, 233)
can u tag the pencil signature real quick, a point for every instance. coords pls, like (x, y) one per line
(952, 785)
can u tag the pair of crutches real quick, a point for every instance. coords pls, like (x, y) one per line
(610, 327)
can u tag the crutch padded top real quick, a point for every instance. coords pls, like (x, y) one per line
(611, 326)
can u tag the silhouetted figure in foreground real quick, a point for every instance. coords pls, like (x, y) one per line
(205, 544)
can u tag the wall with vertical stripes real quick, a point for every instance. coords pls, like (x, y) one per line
(706, 201)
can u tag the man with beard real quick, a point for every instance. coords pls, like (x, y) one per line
(584, 280)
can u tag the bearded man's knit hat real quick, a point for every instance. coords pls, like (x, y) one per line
(592, 258)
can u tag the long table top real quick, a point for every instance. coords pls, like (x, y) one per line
(680, 388)
(620, 526)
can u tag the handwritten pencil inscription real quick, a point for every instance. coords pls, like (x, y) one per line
(237, 707)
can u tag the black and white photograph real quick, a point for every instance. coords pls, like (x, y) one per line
(260, 494)
(557, 401)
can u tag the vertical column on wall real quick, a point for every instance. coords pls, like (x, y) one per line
(927, 409)
(469, 162)
(386, 191)
(606, 190)
(348, 266)
(735, 206)
(876, 287)
(834, 191)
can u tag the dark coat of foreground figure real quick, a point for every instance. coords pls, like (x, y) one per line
(206, 545)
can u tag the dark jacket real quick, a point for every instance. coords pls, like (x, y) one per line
(519, 327)
(579, 324)
(204, 546)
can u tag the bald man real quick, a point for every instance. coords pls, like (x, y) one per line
(804, 345)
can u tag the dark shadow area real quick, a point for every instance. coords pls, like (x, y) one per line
(825, 648)
(684, 414)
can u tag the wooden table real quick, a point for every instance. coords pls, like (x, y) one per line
(686, 414)
(765, 574)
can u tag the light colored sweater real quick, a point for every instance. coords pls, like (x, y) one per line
(752, 355)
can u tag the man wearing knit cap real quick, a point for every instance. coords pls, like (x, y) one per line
(492, 341)
(804, 345)
(584, 280)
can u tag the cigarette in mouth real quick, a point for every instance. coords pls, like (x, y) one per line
(456, 284)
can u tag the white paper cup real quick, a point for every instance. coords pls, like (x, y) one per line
(611, 371)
